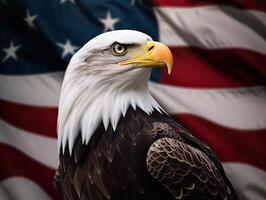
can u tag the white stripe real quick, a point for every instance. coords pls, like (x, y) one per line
(242, 108)
(39, 148)
(39, 90)
(259, 16)
(248, 181)
(17, 188)
(227, 107)
(212, 27)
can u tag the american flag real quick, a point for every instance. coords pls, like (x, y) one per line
(217, 88)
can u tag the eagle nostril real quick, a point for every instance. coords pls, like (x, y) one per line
(150, 48)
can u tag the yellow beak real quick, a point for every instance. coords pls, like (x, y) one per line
(156, 54)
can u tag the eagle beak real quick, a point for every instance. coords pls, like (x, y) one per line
(156, 54)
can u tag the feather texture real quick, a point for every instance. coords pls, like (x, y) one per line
(146, 157)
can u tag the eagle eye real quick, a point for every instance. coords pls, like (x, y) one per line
(119, 49)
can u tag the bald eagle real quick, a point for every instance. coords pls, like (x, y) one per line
(115, 141)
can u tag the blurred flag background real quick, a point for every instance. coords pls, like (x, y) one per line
(217, 88)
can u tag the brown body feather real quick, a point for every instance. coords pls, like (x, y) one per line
(147, 157)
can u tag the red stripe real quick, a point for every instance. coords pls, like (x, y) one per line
(14, 163)
(245, 4)
(34, 119)
(195, 67)
(229, 144)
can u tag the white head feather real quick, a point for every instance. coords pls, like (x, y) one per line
(96, 89)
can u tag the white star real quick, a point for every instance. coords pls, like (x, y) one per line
(64, 1)
(68, 48)
(134, 1)
(11, 51)
(29, 19)
(109, 22)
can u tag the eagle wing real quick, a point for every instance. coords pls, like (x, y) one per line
(56, 183)
(185, 170)
(111, 165)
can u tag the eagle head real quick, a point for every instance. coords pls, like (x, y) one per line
(106, 76)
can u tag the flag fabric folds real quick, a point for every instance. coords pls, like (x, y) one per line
(217, 88)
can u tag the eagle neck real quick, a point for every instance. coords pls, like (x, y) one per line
(100, 102)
